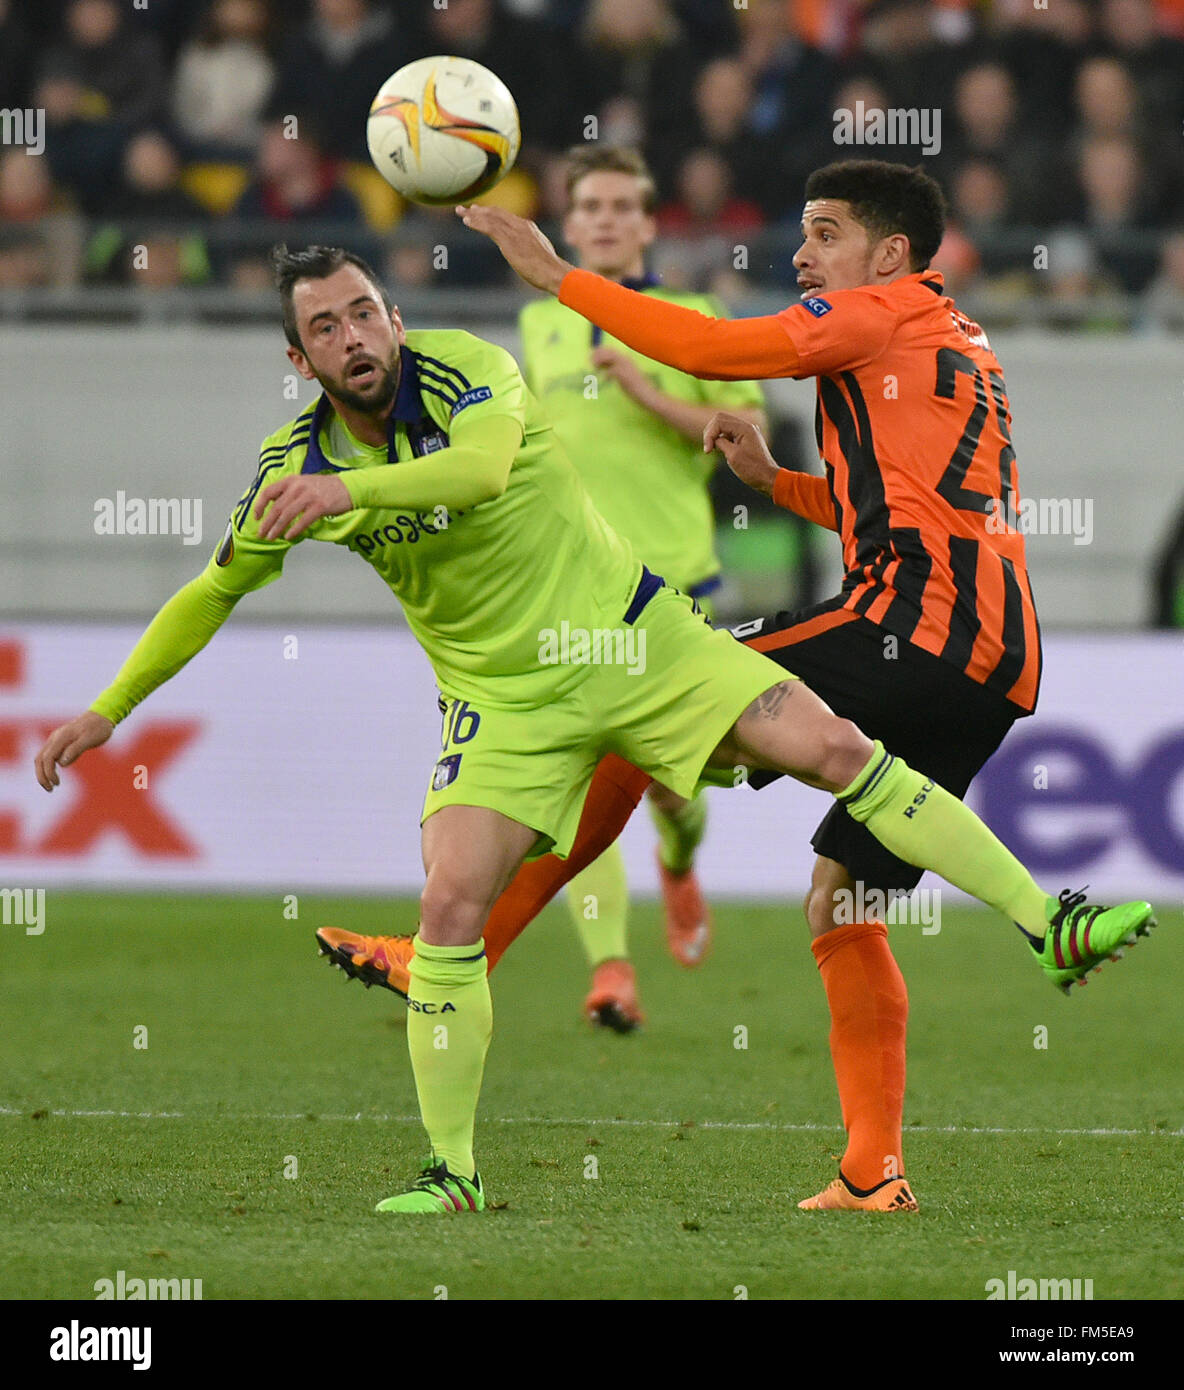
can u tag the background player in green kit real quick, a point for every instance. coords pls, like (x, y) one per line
(427, 457)
(634, 430)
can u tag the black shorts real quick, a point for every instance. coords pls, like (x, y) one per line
(937, 719)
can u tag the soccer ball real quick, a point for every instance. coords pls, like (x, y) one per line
(443, 130)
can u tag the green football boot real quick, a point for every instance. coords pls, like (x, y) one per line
(1082, 937)
(438, 1190)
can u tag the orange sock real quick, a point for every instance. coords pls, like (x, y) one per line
(869, 1010)
(615, 790)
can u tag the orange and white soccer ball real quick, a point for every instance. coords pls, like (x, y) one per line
(443, 130)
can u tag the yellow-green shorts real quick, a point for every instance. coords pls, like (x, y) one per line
(661, 691)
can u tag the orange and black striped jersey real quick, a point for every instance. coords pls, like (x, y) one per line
(913, 426)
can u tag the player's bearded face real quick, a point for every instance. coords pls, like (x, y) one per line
(350, 340)
(367, 383)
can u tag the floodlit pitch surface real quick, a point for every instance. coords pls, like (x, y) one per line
(269, 1105)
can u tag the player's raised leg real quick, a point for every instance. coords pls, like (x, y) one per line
(789, 729)
(470, 853)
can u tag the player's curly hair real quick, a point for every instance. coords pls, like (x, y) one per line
(314, 263)
(888, 200)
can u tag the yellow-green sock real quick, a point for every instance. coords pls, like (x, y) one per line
(449, 1024)
(599, 901)
(921, 823)
(680, 833)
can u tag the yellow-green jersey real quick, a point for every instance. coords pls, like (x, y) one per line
(472, 514)
(648, 480)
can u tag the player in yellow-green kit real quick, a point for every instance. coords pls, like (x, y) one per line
(633, 428)
(427, 457)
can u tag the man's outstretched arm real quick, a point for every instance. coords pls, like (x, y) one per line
(179, 631)
(717, 349)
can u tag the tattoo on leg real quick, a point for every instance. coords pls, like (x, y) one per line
(770, 702)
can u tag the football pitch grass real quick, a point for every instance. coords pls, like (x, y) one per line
(247, 1142)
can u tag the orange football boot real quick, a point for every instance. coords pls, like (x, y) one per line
(612, 1000)
(375, 960)
(688, 920)
(894, 1194)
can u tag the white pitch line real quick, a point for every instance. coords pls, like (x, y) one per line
(760, 1125)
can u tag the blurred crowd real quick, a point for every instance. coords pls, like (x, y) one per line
(184, 137)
